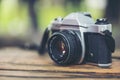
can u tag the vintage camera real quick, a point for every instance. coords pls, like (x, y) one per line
(77, 39)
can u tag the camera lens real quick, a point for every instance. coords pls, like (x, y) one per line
(63, 48)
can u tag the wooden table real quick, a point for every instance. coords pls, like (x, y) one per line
(18, 64)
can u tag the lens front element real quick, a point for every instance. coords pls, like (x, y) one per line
(61, 47)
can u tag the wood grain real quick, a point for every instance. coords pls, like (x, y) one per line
(18, 64)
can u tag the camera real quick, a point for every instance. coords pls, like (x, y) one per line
(78, 39)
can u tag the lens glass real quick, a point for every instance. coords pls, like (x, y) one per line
(59, 48)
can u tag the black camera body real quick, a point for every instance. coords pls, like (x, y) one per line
(78, 39)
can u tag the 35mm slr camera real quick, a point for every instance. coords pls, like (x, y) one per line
(77, 39)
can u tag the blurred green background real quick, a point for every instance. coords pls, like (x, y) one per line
(24, 21)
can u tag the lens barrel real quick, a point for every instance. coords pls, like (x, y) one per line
(64, 47)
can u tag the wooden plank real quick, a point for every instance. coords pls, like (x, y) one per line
(57, 74)
(21, 64)
(13, 78)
